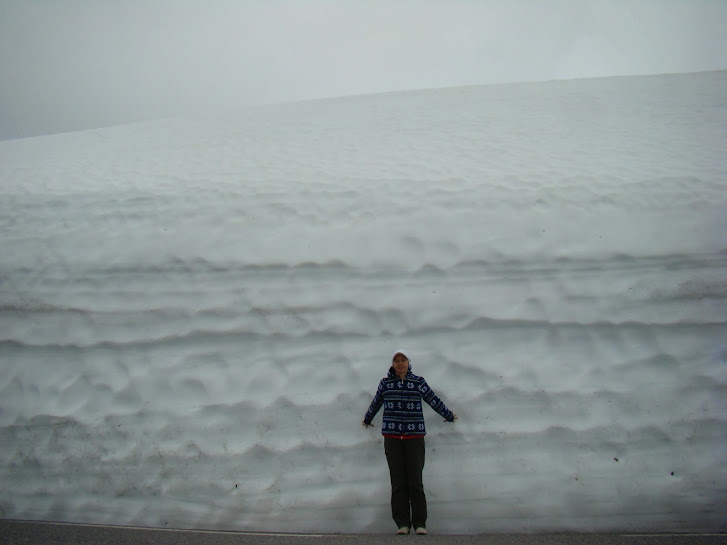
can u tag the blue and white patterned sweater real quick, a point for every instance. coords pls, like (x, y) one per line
(402, 402)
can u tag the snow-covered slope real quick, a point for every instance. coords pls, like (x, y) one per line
(194, 314)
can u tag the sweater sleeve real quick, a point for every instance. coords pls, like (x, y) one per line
(376, 403)
(435, 403)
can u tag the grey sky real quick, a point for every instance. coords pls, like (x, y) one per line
(73, 64)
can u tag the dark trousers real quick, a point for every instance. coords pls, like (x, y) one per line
(406, 462)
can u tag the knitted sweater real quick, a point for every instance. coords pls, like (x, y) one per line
(402, 402)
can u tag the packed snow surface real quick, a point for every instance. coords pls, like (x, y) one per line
(195, 314)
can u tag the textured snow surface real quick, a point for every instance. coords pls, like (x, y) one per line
(194, 314)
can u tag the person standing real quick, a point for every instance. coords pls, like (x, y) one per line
(401, 394)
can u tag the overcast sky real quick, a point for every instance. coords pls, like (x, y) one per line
(73, 64)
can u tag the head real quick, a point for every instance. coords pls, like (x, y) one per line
(400, 362)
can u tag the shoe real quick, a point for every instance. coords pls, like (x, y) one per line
(404, 530)
(421, 531)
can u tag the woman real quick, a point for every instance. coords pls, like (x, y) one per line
(401, 393)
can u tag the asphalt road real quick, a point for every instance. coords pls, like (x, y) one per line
(46, 533)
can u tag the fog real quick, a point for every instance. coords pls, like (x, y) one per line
(80, 64)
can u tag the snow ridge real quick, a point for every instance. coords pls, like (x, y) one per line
(188, 307)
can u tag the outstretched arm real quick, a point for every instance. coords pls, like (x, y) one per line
(435, 403)
(376, 404)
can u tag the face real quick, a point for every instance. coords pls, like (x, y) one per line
(400, 363)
